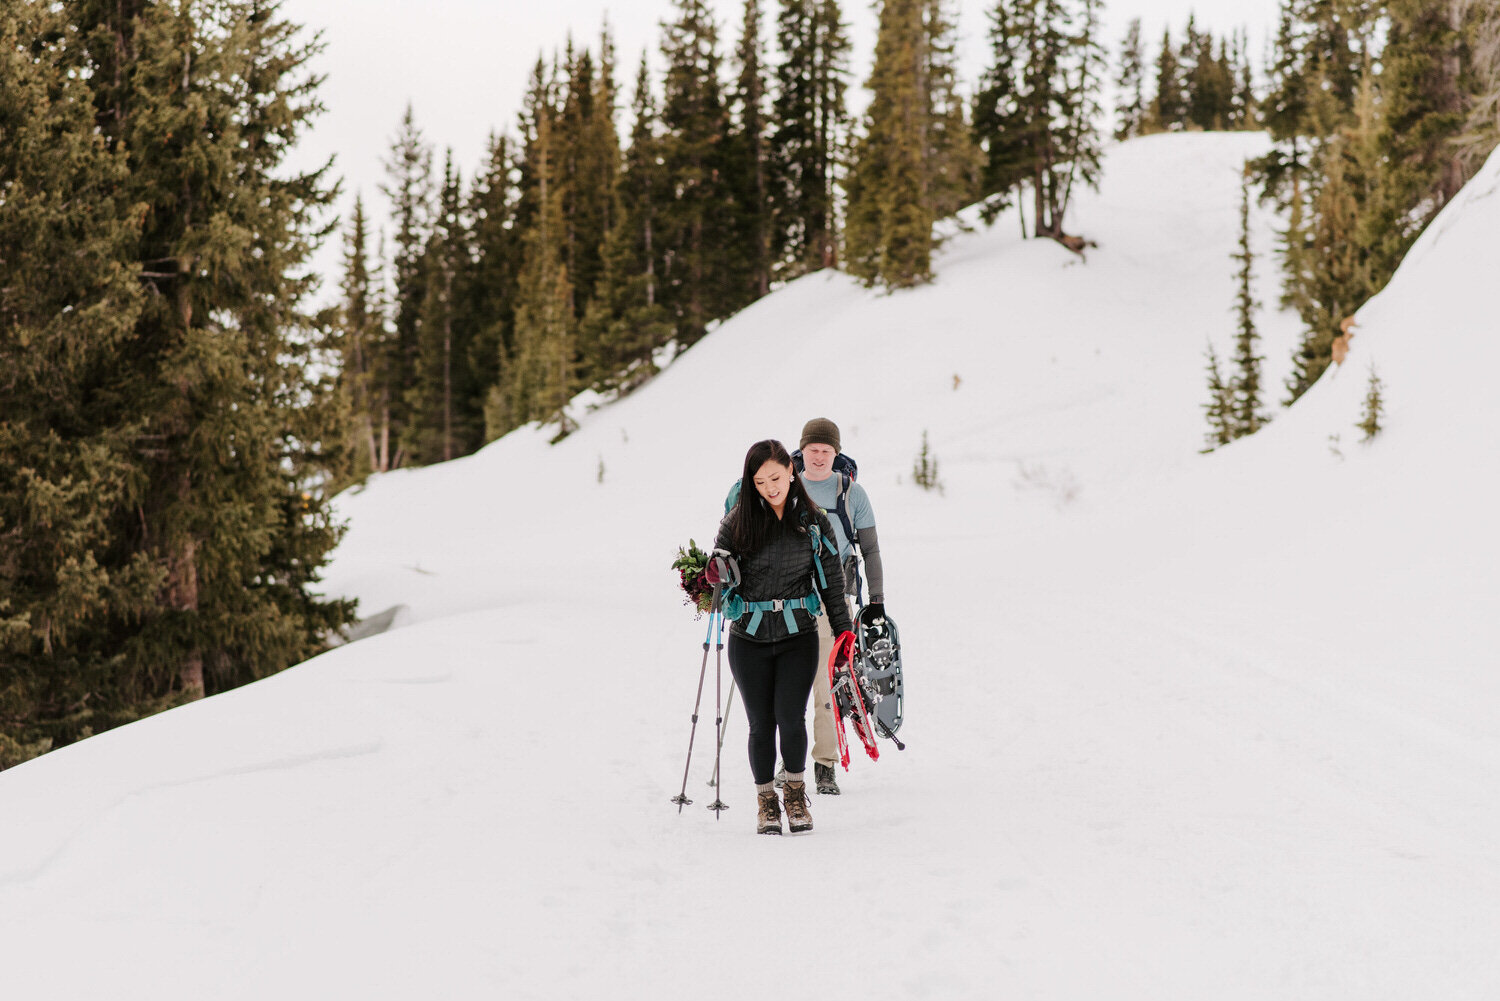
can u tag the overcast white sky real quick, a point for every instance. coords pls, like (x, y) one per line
(463, 64)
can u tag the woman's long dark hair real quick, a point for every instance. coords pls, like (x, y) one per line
(752, 523)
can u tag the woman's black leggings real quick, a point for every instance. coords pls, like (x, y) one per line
(775, 679)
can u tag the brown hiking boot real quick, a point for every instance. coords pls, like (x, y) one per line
(768, 821)
(828, 783)
(798, 817)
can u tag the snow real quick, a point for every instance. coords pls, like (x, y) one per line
(1178, 726)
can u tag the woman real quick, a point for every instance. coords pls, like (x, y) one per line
(788, 562)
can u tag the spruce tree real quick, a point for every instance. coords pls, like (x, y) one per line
(953, 160)
(1169, 108)
(1210, 85)
(809, 130)
(243, 430)
(588, 150)
(1245, 389)
(489, 287)
(1285, 114)
(409, 189)
(1039, 112)
(1332, 279)
(1219, 410)
(1427, 90)
(1374, 407)
(1003, 120)
(1130, 106)
(625, 322)
(69, 302)
(363, 348)
(438, 424)
(1075, 139)
(696, 222)
(749, 158)
(1246, 105)
(180, 382)
(1481, 132)
(889, 234)
(538, 379)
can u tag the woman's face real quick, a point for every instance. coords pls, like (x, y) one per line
(772, 481)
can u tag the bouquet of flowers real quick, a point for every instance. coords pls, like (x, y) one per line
(690, 564)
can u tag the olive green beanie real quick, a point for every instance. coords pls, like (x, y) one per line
(822, 431)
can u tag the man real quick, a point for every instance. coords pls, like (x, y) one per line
(820, 446)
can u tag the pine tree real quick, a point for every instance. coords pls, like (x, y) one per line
(1332, 280)
(809, 126)
(1374, 407)
(1210, 85)
(1481, 132)
(1003, 119)
(68, 306)
(1130, 106)
(1246, 416)
(1076, 141)
(1219, 410)
(1352, 227)
(625, 323)
(196, 420)
(749, 158)
(589, 151)
(1169, 108)
(540, 101)
(489, 287)
(539, 379)
(1285, 114)
(1246, 105)
(1427, 93)
(363, 349)
(409, 170)
(437, 425)
(1039, 111)
(889, 235)
(953, 160)
(696, 223)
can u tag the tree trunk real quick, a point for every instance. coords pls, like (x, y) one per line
(447, 364)
(182, 596)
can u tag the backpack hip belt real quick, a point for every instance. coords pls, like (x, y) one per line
(786, 606)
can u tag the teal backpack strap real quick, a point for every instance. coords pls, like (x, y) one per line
(818, 541)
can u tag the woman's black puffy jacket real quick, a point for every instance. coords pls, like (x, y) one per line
(784, 569)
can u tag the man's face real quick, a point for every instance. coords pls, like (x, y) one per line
(817, 461)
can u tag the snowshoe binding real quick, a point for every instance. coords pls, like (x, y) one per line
(878, 665)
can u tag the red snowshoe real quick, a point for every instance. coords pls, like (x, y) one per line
(849, 701)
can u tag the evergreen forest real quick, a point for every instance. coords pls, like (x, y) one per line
(176, 411)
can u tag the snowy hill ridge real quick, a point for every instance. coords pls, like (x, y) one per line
(1178, 726)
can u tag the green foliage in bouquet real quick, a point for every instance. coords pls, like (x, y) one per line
(690, 564)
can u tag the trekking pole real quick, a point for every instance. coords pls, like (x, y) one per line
(728, 703)
(713, 610)
(718, 806)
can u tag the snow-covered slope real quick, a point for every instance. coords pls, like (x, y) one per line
(1178, 727)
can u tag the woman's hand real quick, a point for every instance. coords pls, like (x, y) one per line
(722, 569)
